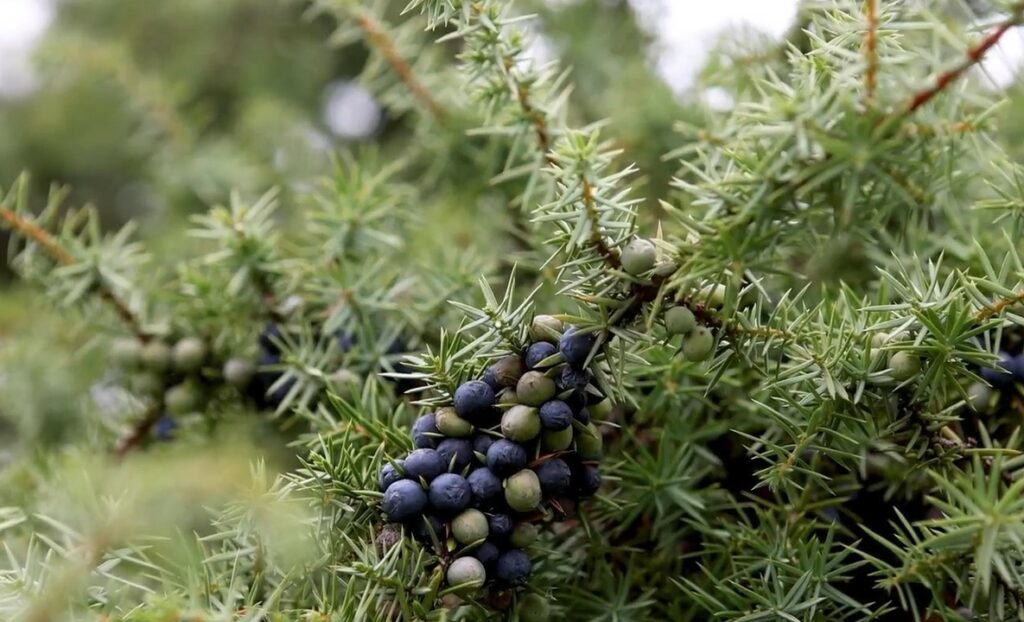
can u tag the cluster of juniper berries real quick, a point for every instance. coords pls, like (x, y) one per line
(516, 448)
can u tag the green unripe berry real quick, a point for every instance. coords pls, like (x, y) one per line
(589, 443)
(699, 344)
(533, 608)
(522, 491)
(557, 440)
(181, 399)
(978, 395)
(680, 320)
(602, 409)
(189, 354)
(126, 352)
(147, 383)
(346, 383)
(508, 396)
(638, 256)
(712, 295)
(451, 424)
(238, 372)
(467, 571)
(904, 365)
(156, 356)
(546, 328)
(520, 423)
(470, 527)
(534, 388)
(523, 535)
(879, 339)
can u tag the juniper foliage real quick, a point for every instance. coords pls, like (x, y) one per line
(845, 238)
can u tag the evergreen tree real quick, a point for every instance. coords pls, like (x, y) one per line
(490, 368)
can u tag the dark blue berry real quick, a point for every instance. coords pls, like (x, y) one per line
(472, 398)
(481, 443)
(164, 428)
(424, 463)
(421, 527)
(491, 379)
(499, 525)
(513, 567)
(270, 339)
(506, 457)
(586, 480)
(345, 339)
(555, 477)
(449, 494)
(583, 416)
(555, 415)
(576, 400)
(576, 346)
(538, 352)
(389, 475)
(461, 449)
(403, 500)
(488, 554)
(572, 379)
(424, 431)
(486, 487)
(1018, 367)
(1002, 374)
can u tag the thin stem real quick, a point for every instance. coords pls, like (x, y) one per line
(998, 306)
(59, 254)
(379, 39)
(871, 52)
(611, 256)
(974, 56)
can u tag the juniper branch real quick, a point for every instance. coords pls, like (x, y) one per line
(60, 255)
(871, 51)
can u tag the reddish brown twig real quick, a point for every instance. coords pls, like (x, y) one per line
(974, 56)
(380, 40)
(871, 52)
(140, 431)
(60, 255)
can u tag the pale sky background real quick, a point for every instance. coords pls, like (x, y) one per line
(684, 29)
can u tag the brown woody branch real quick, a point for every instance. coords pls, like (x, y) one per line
(611, 256)
(379, 39)
(974, 56)
(871, 52)
(138, 434)
(59, 254)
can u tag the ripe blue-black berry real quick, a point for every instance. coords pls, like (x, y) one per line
(513, 567)
(403, 500)
(389, 475)
(538, 352)
(499, 525)
(481, 443)
(486, 487)
(1001, 375)
(473, 398)
(424, 463)
(164, 428)
(576, 346)
(270, 339)
(449, 494)
(505, 457)
(555, 477)
(421, 527)
(555, 415)
(583, 415)
(425, 432)
(466, 571)
(572, 379)
(488, 554)
(461, 449)
(586, 480)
